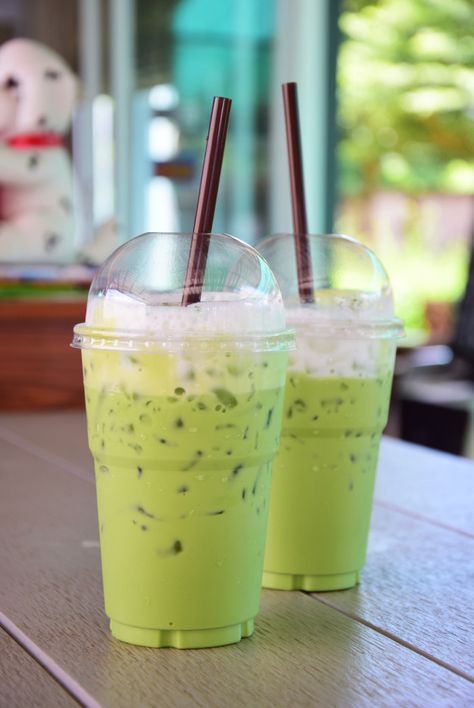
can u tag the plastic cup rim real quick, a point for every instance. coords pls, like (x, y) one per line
(87, 337)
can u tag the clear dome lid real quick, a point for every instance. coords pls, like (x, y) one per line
(134, 300)
(350, 286)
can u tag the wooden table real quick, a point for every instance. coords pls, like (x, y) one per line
(403, 637)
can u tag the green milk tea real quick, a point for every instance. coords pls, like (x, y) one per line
(336, 407)
(183, 453)
(184, 408)
(323, 480)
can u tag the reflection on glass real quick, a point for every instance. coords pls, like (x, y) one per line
(163, 213)
(163, 139)
(163, 97)
(103, 156)
(190, 61)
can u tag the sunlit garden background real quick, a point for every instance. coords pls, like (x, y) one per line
(405, 116)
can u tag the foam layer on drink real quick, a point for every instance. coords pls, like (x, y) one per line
(169, 320)
(343, 334)
(212, 346)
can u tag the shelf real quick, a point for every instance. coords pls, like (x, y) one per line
(38, 369)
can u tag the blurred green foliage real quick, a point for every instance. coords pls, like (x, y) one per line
(406, 96)
(406, 110)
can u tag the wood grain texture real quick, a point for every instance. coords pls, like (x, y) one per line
(59, 437)
(303, 653)
(23, 682)
(38, 369)
(418, 585)
(429, 483)
(41, 429)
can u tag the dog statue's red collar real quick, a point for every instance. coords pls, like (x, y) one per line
(24, 141)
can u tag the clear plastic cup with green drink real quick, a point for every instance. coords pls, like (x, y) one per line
(184, 414)
(336, 406)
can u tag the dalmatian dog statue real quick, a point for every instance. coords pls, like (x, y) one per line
(37, 96)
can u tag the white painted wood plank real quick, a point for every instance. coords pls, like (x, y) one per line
(303, 653)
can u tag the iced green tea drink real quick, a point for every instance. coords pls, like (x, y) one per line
(336, 407)
(184, 415)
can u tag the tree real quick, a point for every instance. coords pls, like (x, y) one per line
(406, 96)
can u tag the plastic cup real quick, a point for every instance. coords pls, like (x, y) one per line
(184, 414)
(336, 406)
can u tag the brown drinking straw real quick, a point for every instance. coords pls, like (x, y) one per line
(206, 203)
(300, 225)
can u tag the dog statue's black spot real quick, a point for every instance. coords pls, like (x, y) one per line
(66, 203)
(51, 241)
(11, 82)
(33, 161)
(52, 74)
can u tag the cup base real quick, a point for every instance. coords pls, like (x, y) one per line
(181, 638)
(310, 583)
